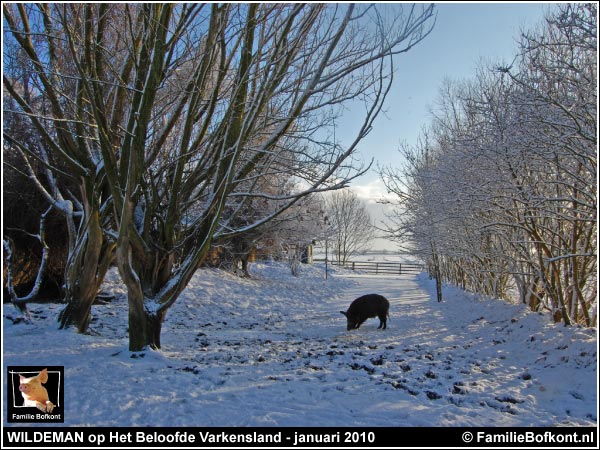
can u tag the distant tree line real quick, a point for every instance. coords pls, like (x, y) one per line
(499, 196)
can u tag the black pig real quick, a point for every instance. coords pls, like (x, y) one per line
(372, 305)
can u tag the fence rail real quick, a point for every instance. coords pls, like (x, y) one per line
(379, 268)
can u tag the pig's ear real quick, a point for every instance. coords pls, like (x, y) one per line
(344, 313)
(43, 376)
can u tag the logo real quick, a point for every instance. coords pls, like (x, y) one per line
(35, 394)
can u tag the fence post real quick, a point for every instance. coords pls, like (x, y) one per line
(399, 268)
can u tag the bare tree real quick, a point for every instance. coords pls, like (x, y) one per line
(350, 223)
(181, 108)
(43, 85)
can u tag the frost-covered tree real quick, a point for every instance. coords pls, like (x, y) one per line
(557, 81)
(504, 192)
(417, 215)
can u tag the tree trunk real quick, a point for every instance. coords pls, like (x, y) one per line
(77, 312)
(245, 272)
(144, 273)
(88, 263)
(437, 273)
(144, 328)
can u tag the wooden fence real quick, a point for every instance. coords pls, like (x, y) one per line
(379, 267)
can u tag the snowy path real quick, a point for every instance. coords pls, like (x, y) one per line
(476, 362)
(274, 351)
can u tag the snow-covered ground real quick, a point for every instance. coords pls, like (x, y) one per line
(273, 351)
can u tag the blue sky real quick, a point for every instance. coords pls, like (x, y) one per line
(464, 34)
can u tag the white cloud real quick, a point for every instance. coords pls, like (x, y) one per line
(372, 192)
